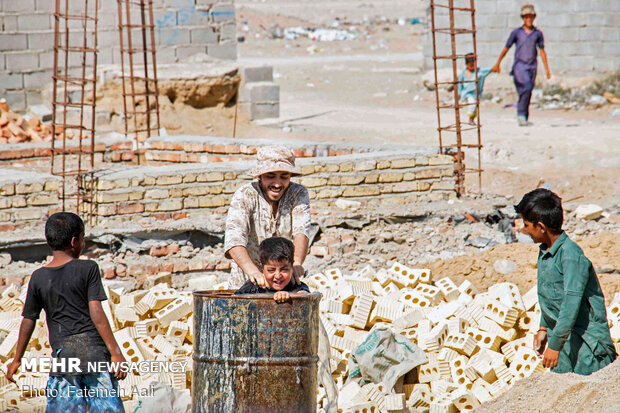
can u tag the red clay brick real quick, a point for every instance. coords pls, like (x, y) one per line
(158, 251)
(219, 148)
(232, 148)
(116, 157)
(173, 249)
(128, 156)
(152, 269)
(166, 267)
(179, 215)
(40, 152)
(7, 227)
(130, 208)
(121, 146)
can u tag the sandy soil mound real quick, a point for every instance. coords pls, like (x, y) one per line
(550, 392)
(602, 249)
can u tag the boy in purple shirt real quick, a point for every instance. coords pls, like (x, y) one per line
(526, 38)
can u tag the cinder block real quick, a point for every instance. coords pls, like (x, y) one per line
(13, 41)
(204, 35)
(222, 12)
(226, 51)
(21, 61)
(34, 21)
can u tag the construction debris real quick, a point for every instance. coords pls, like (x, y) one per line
(15, 128)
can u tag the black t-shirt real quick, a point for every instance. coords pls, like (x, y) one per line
(64, 292)
(250, 288)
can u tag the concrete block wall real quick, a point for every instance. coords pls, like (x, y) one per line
(188, 190)
(579, 36)
(26, 198)
(182, 28)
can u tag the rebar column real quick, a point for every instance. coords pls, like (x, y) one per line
(456, 142)
(139, 70)
(73, 102)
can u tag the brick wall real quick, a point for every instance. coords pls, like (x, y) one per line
(26, 198)
(580, 36)
(183, 28)
(188, 190)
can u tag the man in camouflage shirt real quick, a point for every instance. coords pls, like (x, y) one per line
(271, 206)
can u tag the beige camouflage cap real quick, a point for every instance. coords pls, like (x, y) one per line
(274, 159)
(528, 9)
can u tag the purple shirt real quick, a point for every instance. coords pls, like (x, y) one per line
(525, 50)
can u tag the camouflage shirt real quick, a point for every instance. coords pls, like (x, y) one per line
(250, 220)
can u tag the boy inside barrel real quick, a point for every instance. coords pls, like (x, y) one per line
(276, 256)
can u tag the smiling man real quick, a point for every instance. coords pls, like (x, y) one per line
(271, 206)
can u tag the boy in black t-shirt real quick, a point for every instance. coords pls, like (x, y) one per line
(276, 257)
(70, 292)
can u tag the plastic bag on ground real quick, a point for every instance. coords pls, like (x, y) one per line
(384, 357)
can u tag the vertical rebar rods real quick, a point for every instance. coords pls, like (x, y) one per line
(140, 92)
(73, 101)
(457, 144)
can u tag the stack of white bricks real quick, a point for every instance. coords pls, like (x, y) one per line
(148, 325)
(477, 344)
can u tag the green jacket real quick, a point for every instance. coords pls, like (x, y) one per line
(571, 300)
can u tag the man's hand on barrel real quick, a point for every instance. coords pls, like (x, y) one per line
(281, 296)
(298, 272)
(258, 278)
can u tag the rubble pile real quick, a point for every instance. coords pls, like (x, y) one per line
(599, 93)
(478, 344)
(15, 128)
(153, 324)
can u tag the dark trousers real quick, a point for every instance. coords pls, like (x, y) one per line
(524, 78)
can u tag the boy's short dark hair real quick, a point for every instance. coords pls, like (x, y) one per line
(470, 58)
(542, 205)
(61, 228)
(276, 249)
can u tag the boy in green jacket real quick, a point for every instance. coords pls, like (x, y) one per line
(573, 322)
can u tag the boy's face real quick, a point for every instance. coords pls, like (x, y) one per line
(528, 20)
(277, 274)
(471, 66)
(274, 184)
(535, 231)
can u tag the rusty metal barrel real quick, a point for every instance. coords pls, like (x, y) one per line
(252, 354)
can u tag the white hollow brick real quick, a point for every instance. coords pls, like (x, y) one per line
(457, 370)
(614, 332)
(503, 373)
(485, 339)
(424, 275)
(442, 406)
(7, 348)
(382, 277)
(125, 316)
(166, 347)
(464, 312)
(448, 288)
(360, 311)
(385, 313)
(409, 319)
(176, 310)
(345, 293)
(149, 327)
(375, 395)
(428, 372)
(464, 400)
(510, 349)
(395, 402)
(490, 326)
(530, 321)
(501, 314)
(415, 299)
(331, 306)
(465, 299)
(351, 394)
(130, 299)
(508, 294)
(462, 343)
(443, 311)
(367, 272)
(420, 396)
(333, 274)
(457, 325)
(355, 335)
(468, 288)
(434, 340)
(406, 276)
(613, 313)
(530, 298)
(378, 290)
(177, 330)
(330, 329)
(411, 334)
(391, 288)
(339, 320)
(128, 346)
(526, 363)
(447, 354)
(342, 344)
(147, 348)
(368, 407)
(321, 280)
(430, 291)
(360, 286)
(163, 297)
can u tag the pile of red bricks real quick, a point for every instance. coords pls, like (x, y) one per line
(14, 128)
